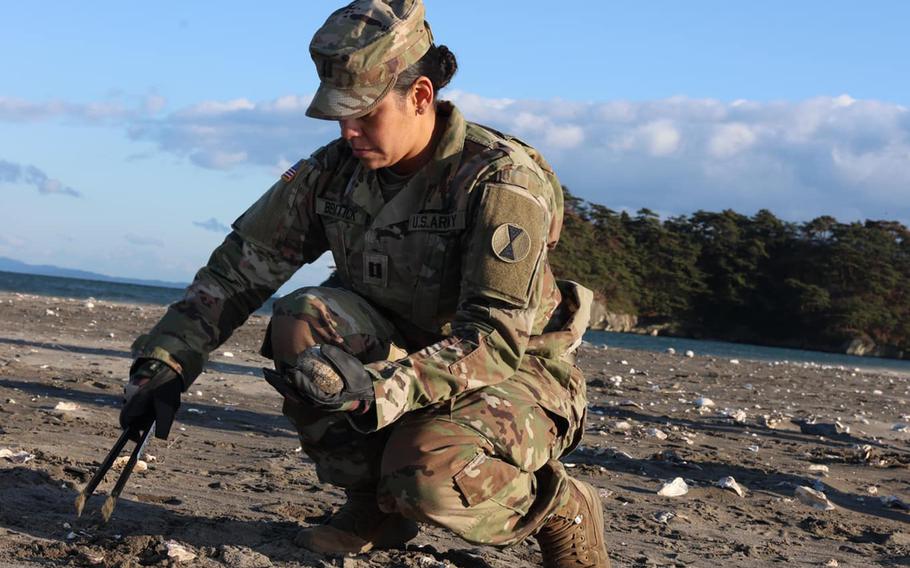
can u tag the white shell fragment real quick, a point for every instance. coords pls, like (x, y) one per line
(66, 406)
(813, 498)
(664, 517)
(690, 353)
(730, 483)
(704, 402)
(16, 457)
(120, 463)
(178, 552)
(656, 433)
(227, 354)
(675, 488)
(818, 468)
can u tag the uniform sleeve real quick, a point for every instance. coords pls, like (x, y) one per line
(502, 280)
(268, 243)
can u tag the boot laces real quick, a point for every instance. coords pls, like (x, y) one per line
(563, 542)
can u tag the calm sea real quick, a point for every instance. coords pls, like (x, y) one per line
(79, 288)
(112, 291)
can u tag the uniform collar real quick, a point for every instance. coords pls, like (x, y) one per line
(435, 174)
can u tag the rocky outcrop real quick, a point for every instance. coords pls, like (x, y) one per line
(605, 320)
(864, 346)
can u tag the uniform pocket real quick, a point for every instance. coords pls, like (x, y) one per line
(483, 477)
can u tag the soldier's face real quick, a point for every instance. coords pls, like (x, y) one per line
(386, 136)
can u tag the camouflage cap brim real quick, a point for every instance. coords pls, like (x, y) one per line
(333, 103)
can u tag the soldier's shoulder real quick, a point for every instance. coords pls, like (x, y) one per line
(334, 155)
(510, 160)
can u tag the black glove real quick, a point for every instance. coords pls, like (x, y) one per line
(153, 394)
(330, 378)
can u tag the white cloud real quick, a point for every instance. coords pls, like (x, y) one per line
(826, 155)
(730, 139)
(213, 225)
(21, 110)
(11, 172)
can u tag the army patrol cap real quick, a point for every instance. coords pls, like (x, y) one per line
(359, 52)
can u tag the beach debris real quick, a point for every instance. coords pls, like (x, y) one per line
(730, 483)
(622, 426)
(16, 457)
(739, 416)
(177, 552)
(894, 502)
(111, 335)
(141, 465)
(771, 422)
(616, 380)
(671, 351)
(89, 304)
(10, 401)
(70, 535)
(195, 411)
(630, 403)
(656, 433)
(818, 468)
(675, 488)
(227, 354)
(899, 427)
(734, 361)
(813, 498)
(49, 312)
(754, 448)
(243, 557)
(690, 353)
(822, 428)
(664, 517)
(66, 406)
(429, 562)
(704, 402)
(832, 563)
(872, 490)
(863, 452)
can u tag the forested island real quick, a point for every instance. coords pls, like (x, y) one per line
(821, 285)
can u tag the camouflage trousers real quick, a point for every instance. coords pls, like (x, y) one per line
(483, 465)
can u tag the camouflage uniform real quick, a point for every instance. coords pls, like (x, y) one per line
(446, 295)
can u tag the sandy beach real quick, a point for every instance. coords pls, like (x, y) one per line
(230, 487)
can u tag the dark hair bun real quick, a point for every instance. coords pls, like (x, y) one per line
(448, 65)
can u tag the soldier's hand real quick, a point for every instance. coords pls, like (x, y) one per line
(332, 379)
(153, 394)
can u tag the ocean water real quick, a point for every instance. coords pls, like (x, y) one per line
(726, 350)
(134, 293)
(82, 289)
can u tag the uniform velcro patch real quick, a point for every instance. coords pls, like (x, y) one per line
(506, 244)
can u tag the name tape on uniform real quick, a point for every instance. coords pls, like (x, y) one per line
(340, 211)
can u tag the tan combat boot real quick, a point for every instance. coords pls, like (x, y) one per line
(573, 536)
(358, 527)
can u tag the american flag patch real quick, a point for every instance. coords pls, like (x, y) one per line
(290, 174)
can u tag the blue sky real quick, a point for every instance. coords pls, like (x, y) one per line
(132, 134)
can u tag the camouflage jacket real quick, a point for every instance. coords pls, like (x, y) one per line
(457, 260)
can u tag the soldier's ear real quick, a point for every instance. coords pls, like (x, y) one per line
(422, 95)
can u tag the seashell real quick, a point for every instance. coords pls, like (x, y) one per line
(675, 488)
(730, 483)
(813, 498)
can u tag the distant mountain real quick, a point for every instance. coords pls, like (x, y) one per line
(11, 265)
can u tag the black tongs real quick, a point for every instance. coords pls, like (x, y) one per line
(108, 508)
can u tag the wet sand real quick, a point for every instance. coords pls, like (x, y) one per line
(231, 488)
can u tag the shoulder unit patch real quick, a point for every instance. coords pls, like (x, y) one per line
(511, 243)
